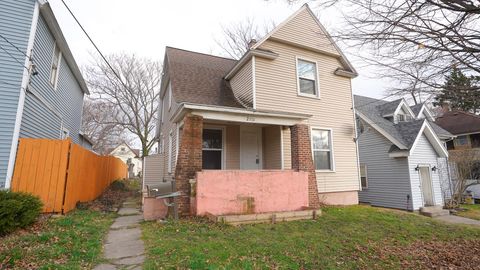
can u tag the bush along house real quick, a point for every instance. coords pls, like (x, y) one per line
(272, 131)
(41, 85)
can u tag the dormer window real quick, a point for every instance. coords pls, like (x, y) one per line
(403, 118)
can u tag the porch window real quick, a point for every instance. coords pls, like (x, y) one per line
(212, 149)
(307, 78)
(363, 175)
(322, 149)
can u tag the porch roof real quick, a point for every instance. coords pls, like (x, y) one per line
(242, 115)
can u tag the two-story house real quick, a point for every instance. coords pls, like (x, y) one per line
(286, 105)
(130, 156)
(42, 88)
(403, 155)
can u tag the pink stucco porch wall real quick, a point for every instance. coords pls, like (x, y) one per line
(241, 192)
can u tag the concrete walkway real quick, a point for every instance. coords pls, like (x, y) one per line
(123, 247)
(458, 220)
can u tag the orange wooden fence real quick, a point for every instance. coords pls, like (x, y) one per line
(62, 173)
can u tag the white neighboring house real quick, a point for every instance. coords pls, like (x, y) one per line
(130, 156)
(402, 155)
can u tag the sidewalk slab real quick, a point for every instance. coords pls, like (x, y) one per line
(458, 220)
(126, 221)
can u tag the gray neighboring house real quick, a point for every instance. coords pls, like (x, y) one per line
(41, 86)
(403, 157)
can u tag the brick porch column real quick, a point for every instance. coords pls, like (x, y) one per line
(189, 160)
(302, 160)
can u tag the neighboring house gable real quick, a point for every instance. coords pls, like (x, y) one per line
(130, 157)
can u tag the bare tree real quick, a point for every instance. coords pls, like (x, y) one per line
(99, 124)
(466, 172)
(237, 37)
(131, 90)
(400, 35)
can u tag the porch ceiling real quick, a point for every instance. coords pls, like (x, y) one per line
(240, 115)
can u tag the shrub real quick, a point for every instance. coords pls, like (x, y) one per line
(17, 210)
(118, 185)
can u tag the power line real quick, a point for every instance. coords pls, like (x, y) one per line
(13, 57)
(9, 42)
(94, 45)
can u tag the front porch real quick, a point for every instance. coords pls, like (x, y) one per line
(226, 166)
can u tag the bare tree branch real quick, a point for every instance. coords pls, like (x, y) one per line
(134, 95)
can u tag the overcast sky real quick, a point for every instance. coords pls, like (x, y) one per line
(145, 27)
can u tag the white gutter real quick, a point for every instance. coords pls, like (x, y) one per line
(21, 99)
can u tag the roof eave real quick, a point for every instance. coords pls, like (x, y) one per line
(246, 57)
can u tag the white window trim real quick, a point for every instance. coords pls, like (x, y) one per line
(65, 131)
(57, 72)
(332, 155)
(179, 126)
(366, 176)
(224, 140)
(317, 78)
(170, 152)
(162, 109)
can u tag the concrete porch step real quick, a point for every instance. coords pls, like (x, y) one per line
(272, 217)
(434, 211)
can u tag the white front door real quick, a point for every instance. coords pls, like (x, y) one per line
(250, 148)
(427, 187)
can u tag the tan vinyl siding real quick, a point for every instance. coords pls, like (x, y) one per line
(242, 85)
(287, 148)
(232, 147)
(272, 157)
(304, 30)
(276, 89)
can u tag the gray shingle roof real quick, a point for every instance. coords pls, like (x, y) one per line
(389, 108)
(416, 108)
(403, 132)
(198, 78)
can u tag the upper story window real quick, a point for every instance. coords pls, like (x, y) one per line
(55, 68)
(322, 149)
(307, 78)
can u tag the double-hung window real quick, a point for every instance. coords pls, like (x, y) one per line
(212, 153)
(55, 68)
(307, 78)
(322, 149)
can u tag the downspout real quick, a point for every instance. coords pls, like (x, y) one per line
(21, 98)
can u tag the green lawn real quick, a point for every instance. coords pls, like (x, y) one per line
(343, 238)
(473, 211)
(73, 241)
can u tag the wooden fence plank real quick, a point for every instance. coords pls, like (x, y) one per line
(62, 173)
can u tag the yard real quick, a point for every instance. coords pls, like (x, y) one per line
(343, 238)
(73, 241)
(472, 211)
